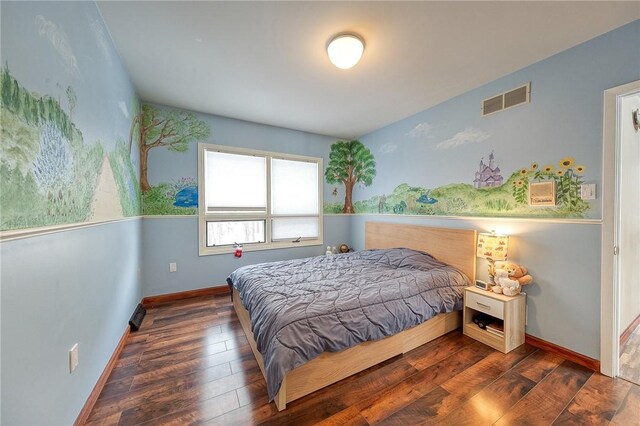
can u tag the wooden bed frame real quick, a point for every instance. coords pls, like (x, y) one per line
(453, 246)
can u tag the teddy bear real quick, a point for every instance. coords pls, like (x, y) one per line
(510, 278)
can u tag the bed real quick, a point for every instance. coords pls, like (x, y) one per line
(301, 333)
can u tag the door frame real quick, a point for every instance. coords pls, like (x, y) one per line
(609, 275)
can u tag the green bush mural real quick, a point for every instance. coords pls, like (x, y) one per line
(126, 179)
(175, 130)
(48, 173)
(507, 199)
(165, 198)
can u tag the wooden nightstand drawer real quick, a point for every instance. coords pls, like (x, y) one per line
(485, 304)
(509, 309)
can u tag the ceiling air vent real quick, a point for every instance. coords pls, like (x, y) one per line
(511, 98)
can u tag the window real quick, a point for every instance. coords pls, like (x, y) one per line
(259, 199)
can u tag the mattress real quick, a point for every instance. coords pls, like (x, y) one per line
(303, 307)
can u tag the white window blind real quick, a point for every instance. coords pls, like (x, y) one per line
(260, 199)
(294, 187)
(290, 228)
(235, 183)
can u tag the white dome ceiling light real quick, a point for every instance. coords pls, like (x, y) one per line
(345, 50)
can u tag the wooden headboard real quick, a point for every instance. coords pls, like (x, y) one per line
(456, 247)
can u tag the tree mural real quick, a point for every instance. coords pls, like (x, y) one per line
(172, 129)
(72, 99)
(350, 163)
(510, 199)
(33, 109)
(48, 172)
(137, 118)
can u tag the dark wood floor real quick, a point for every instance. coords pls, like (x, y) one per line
(190, 363)
(630, 358)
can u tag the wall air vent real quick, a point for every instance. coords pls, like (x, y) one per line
(508, 99)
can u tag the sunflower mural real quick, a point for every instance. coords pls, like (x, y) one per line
(568, 177)
(490, 194)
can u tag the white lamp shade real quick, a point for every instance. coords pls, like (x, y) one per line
(492, 246)
(345, 51)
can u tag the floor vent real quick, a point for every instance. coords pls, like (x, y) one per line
(511, 98)
(137, 317)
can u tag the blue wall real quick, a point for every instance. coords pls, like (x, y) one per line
(68, 111)
(444, 144)
(167, 166)
(175, 239)
(79, 285)
(172, 239)
(564, 118)
(564, 258)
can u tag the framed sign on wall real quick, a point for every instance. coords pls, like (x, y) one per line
(542, 193)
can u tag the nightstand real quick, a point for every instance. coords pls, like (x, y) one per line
(509, 309)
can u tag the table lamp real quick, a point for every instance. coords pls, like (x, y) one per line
(493, 247)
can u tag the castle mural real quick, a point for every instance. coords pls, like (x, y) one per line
(487, 195)
(488, 175)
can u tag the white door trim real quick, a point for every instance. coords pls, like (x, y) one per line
(609, 286)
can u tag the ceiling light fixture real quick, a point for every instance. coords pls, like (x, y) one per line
(345, 50)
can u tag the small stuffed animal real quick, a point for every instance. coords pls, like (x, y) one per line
(503, 282)
(510, 278)
(518, 273)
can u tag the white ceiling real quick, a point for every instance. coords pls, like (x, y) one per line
(266, 61)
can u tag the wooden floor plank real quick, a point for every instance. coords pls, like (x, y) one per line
(351, 416)
(491, 403)
(112, 420)
(197, 412)
(199, 366)
(630, 358)
(190, 364)
(543, 404)
(171, 402)
(332, 400)
(434, 351)
(437, 350)
(117, 387)
(538, 365)
(597, 401)
(452, 393)
(423, 382)
(629, 412)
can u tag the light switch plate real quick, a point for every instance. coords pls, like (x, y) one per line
(73, 358)
(588, 191)
(173, 267)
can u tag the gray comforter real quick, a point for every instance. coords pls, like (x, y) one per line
(303, 307)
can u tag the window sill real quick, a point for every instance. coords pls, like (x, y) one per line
(210, 251)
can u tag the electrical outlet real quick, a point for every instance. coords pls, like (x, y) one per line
(73, 358)
(173, 267)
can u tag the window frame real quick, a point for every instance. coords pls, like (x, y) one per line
(269, 244)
